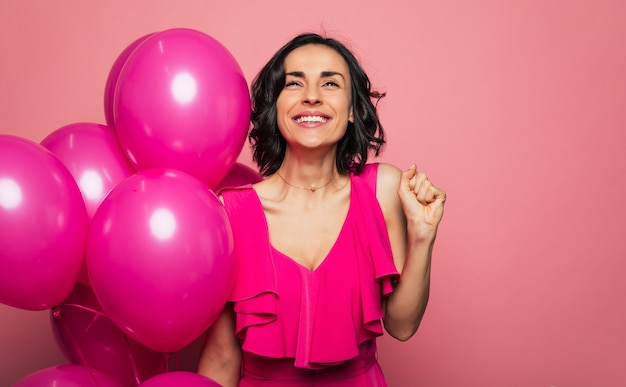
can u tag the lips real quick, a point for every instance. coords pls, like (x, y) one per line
(311, 118)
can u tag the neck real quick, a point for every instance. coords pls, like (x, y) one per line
(310, 187)
(310, 170)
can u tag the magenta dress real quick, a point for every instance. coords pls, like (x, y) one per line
(302, 327)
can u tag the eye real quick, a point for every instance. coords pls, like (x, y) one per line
(331, 84)
(291, 83)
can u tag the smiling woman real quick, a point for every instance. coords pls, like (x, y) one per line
(316, 102)
(328, 247)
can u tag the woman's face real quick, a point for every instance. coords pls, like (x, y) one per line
(315, 105)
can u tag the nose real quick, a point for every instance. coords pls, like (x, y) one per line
(311, 96)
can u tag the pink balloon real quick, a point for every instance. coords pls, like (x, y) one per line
(94, 156)
(179, 378)
(114, 74)
(182, 102)
(44, 226)
(239, 174)
(69, 375)
(86, 336)
(159, 257)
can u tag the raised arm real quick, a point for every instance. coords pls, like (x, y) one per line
(413, 208)
(220, 359)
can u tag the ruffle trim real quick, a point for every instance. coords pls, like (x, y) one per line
(254, 293)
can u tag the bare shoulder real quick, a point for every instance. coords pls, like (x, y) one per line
(388, 180)
(387, 184)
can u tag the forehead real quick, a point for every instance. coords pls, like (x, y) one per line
(315, 58)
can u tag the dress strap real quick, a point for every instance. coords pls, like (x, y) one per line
(369, 175)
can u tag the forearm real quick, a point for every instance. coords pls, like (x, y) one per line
(406, 305)
(223, 369)
(413, 209)
(220, 358)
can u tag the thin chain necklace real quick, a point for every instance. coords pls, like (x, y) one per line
(312, 188)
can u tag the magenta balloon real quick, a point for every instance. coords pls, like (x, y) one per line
(114, 74)
(239, 174)
(182, 102)
(68, 375)
(179, 378)
(94, 156)
(159, 257)
(86, 336)
(43, 223)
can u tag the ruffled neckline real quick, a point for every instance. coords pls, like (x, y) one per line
(340, 301)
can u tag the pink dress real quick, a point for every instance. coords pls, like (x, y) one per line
(302, 327)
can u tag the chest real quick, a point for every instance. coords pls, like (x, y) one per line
(307, 235)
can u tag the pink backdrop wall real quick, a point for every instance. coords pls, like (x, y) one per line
(516, 108)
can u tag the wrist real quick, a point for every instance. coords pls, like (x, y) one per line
(418, 232)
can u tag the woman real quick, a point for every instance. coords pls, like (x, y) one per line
(327, 245)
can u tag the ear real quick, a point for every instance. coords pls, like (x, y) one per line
(351, 116)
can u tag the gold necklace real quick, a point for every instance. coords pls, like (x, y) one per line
(312, 188)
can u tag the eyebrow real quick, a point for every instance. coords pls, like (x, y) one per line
(324, 74)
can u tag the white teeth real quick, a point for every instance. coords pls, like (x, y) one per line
(310, 119)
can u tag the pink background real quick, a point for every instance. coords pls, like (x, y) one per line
(516, 108)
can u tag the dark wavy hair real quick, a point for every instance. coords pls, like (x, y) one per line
(365, 134)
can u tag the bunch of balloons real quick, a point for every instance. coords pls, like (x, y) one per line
(116, 227)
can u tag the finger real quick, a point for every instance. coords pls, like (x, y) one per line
(424, 192)
(430, 194)
(413, 183)
(420, 178)
(407, 177)
(440, 195)
(434, 195)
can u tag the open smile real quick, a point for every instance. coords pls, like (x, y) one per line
(304, 119)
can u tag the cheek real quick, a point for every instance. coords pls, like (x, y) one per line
(283, 105)
(281, 113)
(349, 108)
(282, 120)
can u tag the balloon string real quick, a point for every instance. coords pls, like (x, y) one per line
(57, 310)
(97, 314)
(132, 359)
(56, 313)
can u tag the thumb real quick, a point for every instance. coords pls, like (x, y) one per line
(407, 175)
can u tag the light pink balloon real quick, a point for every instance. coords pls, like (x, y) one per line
(239, 174)
(68, 375)
(182, 102)
(114, 74)
(86, 336)
(93, 155)
(43, 223)
(179, 378)
(159, 257)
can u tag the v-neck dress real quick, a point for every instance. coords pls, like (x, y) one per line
(302, 327)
